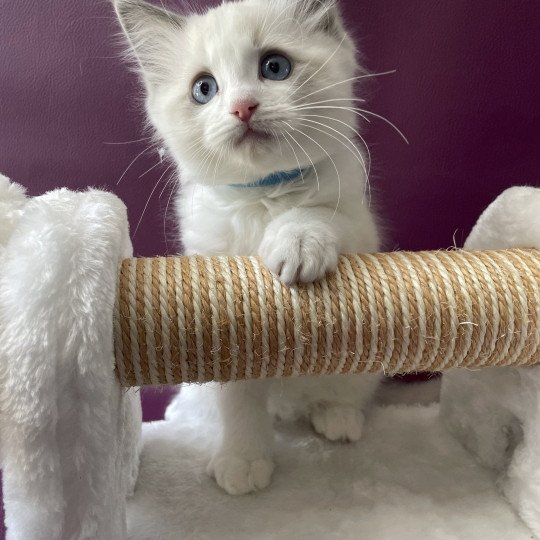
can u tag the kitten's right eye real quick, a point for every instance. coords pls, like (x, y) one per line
(204, 89)
(275, 67)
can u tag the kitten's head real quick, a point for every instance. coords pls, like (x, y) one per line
(228, 89)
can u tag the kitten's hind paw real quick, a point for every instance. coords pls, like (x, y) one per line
(238, 476)
(337, 422)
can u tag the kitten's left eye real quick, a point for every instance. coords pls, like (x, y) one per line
(275, 67)
(204, 89)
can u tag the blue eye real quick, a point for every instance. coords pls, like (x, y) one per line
(204, 89)
(275, 67)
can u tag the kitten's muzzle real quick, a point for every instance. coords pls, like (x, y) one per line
(244, 109)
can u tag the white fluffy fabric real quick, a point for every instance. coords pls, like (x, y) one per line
(496, 412)
(69, 435)
(407, 478)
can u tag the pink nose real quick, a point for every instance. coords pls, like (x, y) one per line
(244, 109)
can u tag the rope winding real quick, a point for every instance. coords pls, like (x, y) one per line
(196, 319)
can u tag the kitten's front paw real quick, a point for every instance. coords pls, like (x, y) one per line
(295, 252)
(238, 476)
(337, 422)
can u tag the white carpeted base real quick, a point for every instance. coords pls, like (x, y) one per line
(406, 479)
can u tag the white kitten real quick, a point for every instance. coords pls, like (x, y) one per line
(238, 93)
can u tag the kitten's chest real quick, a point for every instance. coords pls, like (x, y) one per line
(224, 223)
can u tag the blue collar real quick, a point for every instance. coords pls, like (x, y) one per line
(274, 179)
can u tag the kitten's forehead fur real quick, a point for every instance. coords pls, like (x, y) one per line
(228, 42)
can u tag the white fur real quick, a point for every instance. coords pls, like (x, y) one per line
(298, 228)
(495, 412)
(69, 435)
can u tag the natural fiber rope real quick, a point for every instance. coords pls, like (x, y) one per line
(186, 319)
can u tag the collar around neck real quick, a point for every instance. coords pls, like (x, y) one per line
(276, 178)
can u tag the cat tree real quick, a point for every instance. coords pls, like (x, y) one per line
(70, 432)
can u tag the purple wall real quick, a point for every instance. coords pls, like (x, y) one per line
(465, 93)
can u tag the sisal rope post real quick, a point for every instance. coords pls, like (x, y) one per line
(197, 319)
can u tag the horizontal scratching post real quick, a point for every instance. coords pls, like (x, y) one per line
(196, 319)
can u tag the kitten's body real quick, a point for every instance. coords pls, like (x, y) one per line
(298, 227)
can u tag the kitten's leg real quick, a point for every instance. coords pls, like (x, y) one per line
(339, 403)
(335, 404)
(243, 461)
(337, 422)
(302, 244)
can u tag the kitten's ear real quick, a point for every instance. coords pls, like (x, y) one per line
(321, 15)
(151, 32)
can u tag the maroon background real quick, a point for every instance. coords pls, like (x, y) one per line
(465, 94)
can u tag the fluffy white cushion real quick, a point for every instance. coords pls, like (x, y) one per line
(68, 433)
(406, 479)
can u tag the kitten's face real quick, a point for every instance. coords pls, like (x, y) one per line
(228, 90)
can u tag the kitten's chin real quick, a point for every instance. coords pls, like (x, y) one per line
(253, 146)
(252, 137)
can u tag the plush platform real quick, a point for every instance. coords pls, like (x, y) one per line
(408, 478)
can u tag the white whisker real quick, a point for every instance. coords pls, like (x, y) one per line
(288, 133)
(357, 133)
(297, 160)
(360, 112)
(333, 163)
(134, 160)
(400, 133)
(207, 162)
(321, 66)
(286, 96)
(357, 155)
(275, 134)
(149, 198)
(171, 176)
(341, 107)
(358, 77)
(165, 216)
(332, 99)
(150, 169)
(218, 161)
